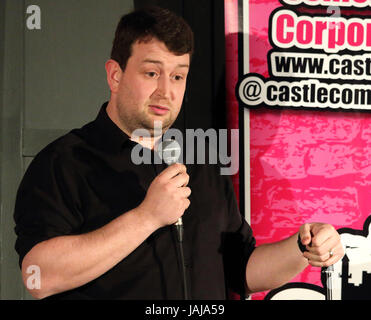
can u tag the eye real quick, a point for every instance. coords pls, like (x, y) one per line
(151, 74)
(178, 77)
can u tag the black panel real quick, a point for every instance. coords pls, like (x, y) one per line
(204, 102)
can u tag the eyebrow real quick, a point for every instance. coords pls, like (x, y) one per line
(161, 63)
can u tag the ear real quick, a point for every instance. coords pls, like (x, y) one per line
(114, 73)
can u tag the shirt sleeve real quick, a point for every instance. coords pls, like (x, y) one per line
(46, 206)
(238, 244)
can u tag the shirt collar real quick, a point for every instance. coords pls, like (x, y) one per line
(104, 132)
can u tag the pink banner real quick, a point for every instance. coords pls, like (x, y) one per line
(307, 87)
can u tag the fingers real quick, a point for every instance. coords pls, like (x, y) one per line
(181, 180)
(176, 174)
(324, 247)
(186, 203)
(325, 259)
(322, 233)
(167, 196)
(176, 178)
(305, 234)
(172, 171)
(186, 192)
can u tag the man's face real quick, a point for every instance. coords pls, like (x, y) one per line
(151, 87)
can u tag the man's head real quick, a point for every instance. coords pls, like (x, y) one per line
(148, 69)
(146, 24)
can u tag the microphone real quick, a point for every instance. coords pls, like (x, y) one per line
(169, 151)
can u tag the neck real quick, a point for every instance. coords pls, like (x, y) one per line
(146, 142)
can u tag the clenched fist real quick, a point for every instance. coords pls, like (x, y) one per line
(167, 196)
(323, 244)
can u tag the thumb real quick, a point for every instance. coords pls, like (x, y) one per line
(305, 234)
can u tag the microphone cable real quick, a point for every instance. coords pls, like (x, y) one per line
(180, 232)
(169, 151)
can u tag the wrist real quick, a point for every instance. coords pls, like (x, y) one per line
(146, 219)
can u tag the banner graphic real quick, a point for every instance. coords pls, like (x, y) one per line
(304, 88)
(319, 58)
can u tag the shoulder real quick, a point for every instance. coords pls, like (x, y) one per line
(59, 148)
(57, 156)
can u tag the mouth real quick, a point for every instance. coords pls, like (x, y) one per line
(158, 110)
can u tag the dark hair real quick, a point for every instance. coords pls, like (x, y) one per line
(146, 24)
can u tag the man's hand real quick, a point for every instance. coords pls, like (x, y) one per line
(323, 244)
(167, 197)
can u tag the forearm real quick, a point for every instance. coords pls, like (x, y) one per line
(68, 262)
(272, 265)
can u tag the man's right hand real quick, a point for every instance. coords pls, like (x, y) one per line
(167, 196)
(70, 261)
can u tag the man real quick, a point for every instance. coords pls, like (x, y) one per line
(98, 226)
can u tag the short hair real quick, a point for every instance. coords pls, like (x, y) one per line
(145, 24)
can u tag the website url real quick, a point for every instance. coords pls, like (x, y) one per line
(254, 91)
(321, 66)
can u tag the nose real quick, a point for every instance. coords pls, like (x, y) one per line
(163, 89)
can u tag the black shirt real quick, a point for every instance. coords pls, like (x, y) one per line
(86, 178)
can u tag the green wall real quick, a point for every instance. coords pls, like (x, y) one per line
(51, 80)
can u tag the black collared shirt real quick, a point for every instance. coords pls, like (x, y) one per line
(86, 178)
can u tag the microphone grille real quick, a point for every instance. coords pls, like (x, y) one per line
(169, 151)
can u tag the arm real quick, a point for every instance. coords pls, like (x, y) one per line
(67, 262)
(272, 265)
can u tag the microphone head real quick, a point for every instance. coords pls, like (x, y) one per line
(169, 151)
